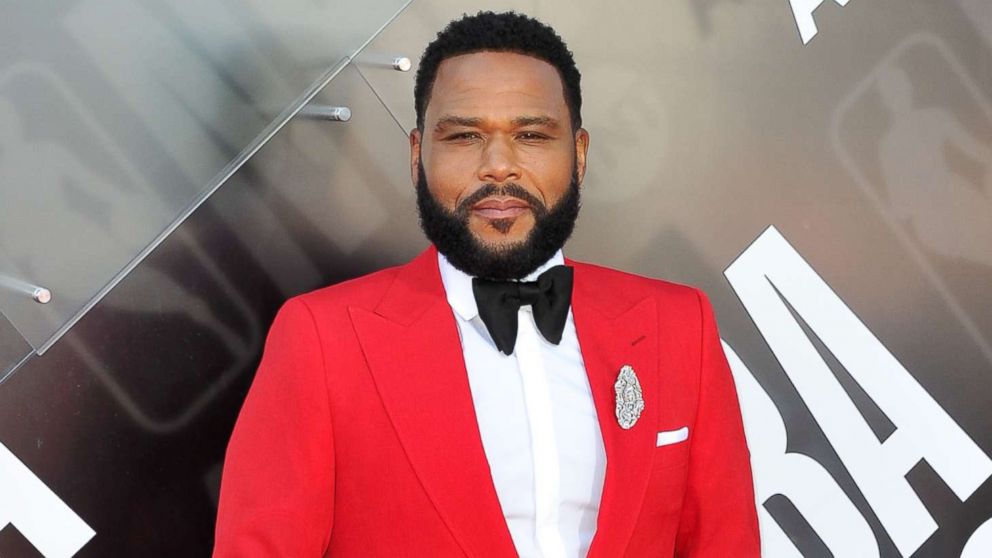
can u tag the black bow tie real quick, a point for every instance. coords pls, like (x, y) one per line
(549, 296)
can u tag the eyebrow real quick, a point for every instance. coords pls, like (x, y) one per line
(451, 120)
(473, 122)
(547, 121)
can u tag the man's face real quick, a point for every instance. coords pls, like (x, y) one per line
(497, 149)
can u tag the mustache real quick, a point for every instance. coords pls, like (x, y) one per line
(510, 190)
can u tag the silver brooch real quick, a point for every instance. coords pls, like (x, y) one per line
(630, 401)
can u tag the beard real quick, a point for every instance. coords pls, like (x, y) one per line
(449, 230)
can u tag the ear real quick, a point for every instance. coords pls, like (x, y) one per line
(414, 155)
(581, 149)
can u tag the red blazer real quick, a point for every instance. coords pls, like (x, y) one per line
(358, 437)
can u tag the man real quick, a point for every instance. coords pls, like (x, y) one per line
(491, 398)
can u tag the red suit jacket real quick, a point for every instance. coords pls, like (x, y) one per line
(358, 437)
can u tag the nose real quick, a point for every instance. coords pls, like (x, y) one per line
(499, 162)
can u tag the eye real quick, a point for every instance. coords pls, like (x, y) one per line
(462, 136)
(532, 136)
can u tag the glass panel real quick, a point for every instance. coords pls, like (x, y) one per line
(118, 117)
(319, 203)
(13, 349)
(353, 178)
(410, 33)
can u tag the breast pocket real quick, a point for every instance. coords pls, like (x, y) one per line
(669, 472)
(672, 448)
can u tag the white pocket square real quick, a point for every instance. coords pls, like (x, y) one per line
(673, 436)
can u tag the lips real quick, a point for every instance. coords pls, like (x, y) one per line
(500, 208)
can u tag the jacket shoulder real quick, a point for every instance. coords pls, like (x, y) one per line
(364, 291)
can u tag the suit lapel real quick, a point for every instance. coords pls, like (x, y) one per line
(412, 347)
(616, 327)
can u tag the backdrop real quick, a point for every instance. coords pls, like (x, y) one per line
(821, 168)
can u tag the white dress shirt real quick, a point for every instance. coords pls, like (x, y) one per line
(538, 424)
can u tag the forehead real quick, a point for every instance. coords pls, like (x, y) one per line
(496, 84)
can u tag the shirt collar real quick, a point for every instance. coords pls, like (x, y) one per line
(458, 284)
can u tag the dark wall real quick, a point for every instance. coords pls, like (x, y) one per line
(831, 192)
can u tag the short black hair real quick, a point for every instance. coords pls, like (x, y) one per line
(502, 32)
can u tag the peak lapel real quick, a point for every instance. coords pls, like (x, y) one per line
(615, 328)
(411, 344)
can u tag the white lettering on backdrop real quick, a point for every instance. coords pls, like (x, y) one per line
(798, 477)
(802, 11)
(924, 431)
(41, 516)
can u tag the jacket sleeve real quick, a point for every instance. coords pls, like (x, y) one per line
(718, 515)
(277, 489)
